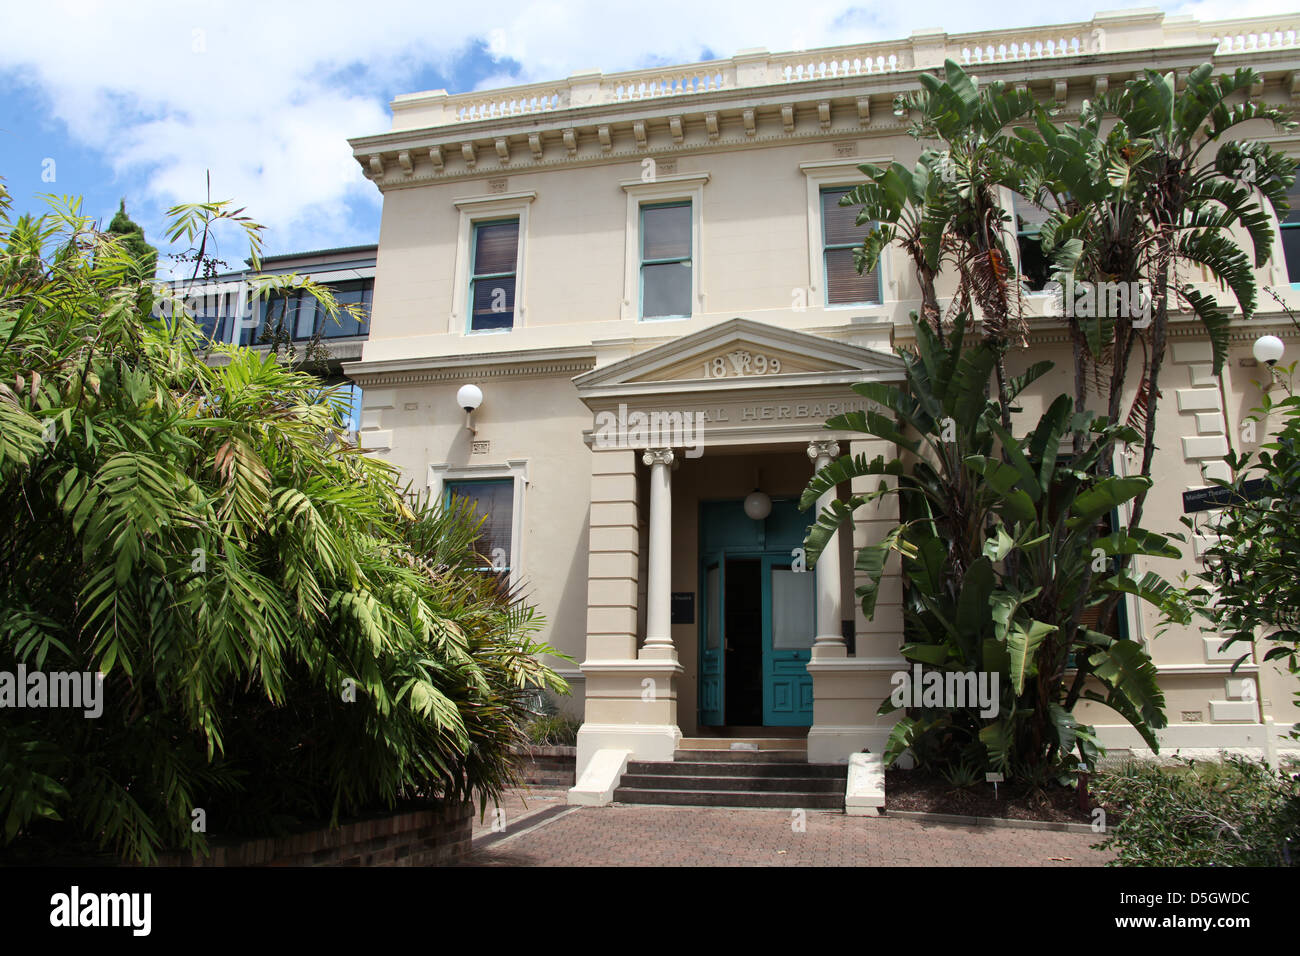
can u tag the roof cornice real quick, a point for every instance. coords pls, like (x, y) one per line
(821, 110)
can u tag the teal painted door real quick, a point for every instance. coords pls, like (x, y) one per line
(712, 643)
(766, 635)
(789, 625)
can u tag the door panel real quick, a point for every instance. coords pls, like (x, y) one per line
(712, 642)
(789, 626)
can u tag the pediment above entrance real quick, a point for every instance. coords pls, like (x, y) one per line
(742, 354)
(740, 359)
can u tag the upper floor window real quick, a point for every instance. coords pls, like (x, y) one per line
(494, 269)
(1291, 234)
(1035, 267)
(666, 262)
(295, 314)
(214, 315)
(840, 235)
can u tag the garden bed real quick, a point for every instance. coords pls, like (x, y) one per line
(924, 792)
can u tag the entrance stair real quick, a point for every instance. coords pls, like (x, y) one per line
(730, 772)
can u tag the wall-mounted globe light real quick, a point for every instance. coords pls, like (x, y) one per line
(469, 397)
(1268, 349)
(758, 505)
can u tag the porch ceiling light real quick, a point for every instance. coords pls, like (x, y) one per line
(1268, 349)
(469, 397)
(758, 505)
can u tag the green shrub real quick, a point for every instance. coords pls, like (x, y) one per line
(553, 730)
(286, 636)
(1234, 812)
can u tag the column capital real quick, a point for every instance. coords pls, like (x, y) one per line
(827, 447)
(658, 456)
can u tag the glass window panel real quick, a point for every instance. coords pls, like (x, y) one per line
(494, 499)
(1291, 247)
(839, 223)
(250, 334)
(348, 293)
(1035, 268)
(1293, 199)
(344, 325)
(494, 303)
(666, 289)
(304, 326)
(1029, 216)
(713, 595)
(793, 609)
(496, 247)
(210, 316)
(843, 284)
(665, 232)
(274, 314)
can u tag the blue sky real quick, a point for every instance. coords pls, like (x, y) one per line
(142, 99)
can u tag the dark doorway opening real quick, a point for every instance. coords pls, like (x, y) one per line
(744, 633)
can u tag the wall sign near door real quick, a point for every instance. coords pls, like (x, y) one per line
(1217, 496)
(683, 607)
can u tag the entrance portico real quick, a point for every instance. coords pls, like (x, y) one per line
(681, 434)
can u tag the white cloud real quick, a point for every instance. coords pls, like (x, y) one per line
(265, 95)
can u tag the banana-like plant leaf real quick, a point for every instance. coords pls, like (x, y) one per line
(1022, 644)
(1137, 541)
(1133, 684)
(1104, 497)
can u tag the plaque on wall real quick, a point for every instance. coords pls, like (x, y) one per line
(683, 607)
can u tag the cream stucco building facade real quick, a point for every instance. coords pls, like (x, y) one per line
(659, 241)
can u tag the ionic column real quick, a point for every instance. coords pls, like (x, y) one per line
(658, 625)
(830, 639)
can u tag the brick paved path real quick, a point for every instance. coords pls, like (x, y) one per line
(517, 806)
(683, 836)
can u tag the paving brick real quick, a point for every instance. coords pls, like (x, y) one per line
(624, 835)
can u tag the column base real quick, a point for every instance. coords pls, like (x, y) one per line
(828, 744)
(632, 706)
(829, 649)
(614, 745)
(847, 692)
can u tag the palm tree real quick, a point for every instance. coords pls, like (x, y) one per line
(947, 209)
(1158, 191)
(286, 633)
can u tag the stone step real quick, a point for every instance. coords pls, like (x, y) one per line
(717, 768)
(646, 781)
(741, 756)
(730, 798)
(763, 743)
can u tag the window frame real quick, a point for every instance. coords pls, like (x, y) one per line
(474, 210)
(1009, 198)
(642, 261)
(475, 276)
(449, 488)
(840, 174)
(1282, 227)
(515, 469)
(662, 190)
(322, 325)
(828, 247)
